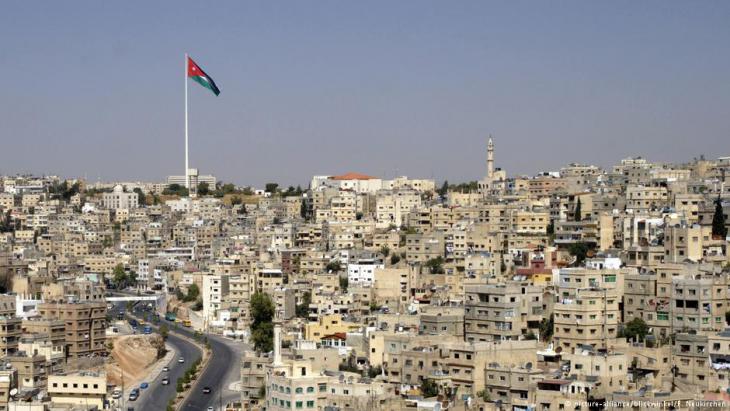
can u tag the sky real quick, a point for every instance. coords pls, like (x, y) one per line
(95, 89)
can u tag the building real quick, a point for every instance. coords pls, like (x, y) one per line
(84, 389)
(501, 312)
(119, 200)
(85, 325)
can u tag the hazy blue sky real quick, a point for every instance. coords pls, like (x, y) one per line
(400, 87)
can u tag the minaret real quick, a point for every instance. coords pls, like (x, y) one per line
(490, 159)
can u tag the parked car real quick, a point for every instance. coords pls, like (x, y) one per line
(165, 381)
(165, 369)
(144, 385)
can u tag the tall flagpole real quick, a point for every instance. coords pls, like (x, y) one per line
(187, 176)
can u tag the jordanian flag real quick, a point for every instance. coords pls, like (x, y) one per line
(196, 73)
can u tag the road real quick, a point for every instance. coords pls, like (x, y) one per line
(223, 369)
(156, 397)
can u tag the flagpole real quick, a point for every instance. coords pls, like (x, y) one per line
(187, 176)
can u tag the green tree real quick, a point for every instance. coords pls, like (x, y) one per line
(444, 189)
(203, 188)
(429, 388)
(164, 331)
(579, 251)
(302, 310)
(394, 259)
(193, 293)
(546, 328)
(577, 215)
(435, 265)
(175, 189)
(140, 195)
(718, 221)
(120, 276)
(271, 187)
(262, 313)
(334, 266)
(385, 250)
(344, 284)
(636, 328)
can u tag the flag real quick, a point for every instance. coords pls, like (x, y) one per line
(197, 74)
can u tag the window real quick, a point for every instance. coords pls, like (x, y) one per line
(310, 390)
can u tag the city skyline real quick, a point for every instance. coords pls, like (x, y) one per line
(407, 89)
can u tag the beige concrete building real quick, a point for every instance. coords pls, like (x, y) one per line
(81, 389)
(85, 325)
(501, 312)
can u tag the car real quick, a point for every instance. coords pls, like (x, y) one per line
(165, 369)
(133, 396)
(181, 360)
(165, 381)
(144, 385)
(206, 390)
(210, 408)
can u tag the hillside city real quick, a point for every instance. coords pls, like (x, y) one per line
(578, 289)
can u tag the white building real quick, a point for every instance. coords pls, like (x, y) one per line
(362, 274)
(118, 199)
(215, 290)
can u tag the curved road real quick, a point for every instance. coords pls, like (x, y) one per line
(156, 397)
(223, 368)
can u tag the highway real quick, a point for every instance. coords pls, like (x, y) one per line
(156, 397)
(222, 370)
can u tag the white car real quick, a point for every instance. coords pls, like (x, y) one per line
(181, 360)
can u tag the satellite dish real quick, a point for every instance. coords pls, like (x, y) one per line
(13, 392)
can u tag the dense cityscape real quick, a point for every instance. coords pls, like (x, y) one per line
(581, 288)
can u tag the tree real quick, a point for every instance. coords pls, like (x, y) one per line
(636, 328)
(262, 330)
(141, 198)
(444, 189)
(119, 276)
(718, 221)
(263, 337)
(344, 283)
(271, 187)
(385, 250)
(175, 189)
(203, 188)
(302, 310)
(394, 259)
(579, 251)
(429, 388)
(577, 215)
(546, 328)
(193, 293)
(435, 265)
(164, 331)
(334, 266)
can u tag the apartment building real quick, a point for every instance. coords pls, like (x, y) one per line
(590, 317)
(84, 389)
(501, 312)
(85, 325)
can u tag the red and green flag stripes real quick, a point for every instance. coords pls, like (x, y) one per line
(197, 74)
